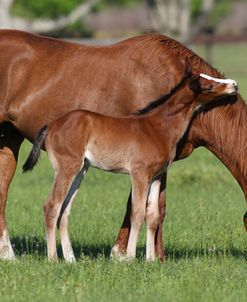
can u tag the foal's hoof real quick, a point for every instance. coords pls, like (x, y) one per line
(152, 259)
(245, 221)
(53, 259)
(127, 258)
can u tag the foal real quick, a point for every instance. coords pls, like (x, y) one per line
(142, 145)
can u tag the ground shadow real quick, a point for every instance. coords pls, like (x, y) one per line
(175, 253)
(32, 245)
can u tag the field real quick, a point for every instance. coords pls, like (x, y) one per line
(204, 236)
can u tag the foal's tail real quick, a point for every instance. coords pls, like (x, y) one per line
(33, 157)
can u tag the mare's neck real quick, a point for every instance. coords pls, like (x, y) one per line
(223, 130)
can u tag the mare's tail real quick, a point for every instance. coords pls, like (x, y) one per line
(33, 157)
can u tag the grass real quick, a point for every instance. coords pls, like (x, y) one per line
(204, 236)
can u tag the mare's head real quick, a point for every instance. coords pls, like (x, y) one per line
(208, 89)
(193, 90)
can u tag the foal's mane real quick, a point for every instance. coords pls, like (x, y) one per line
(163, 98)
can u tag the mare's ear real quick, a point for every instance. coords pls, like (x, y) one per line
(195, 84)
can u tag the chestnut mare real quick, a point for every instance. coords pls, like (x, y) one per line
(41, 79)
(143, 147)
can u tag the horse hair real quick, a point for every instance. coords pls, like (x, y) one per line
(35, 153)
(165, 97)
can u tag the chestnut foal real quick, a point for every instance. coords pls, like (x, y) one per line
(142, 145)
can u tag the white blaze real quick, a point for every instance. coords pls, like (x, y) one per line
(223, 81)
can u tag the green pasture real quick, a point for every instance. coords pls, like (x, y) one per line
(205, 241)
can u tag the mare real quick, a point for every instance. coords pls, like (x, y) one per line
(148, 142)
(42, 79)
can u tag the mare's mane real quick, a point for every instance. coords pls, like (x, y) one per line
(163, 98)
(155, 45)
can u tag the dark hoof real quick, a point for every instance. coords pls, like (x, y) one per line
(245, 221)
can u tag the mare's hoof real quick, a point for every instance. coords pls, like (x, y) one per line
(245, 221)
(6, 250)
(6, 254)
(116, 254)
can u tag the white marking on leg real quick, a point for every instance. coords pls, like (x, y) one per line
(139, 199)
(117, 255)
(152, 219)
(223, 81)
(65, 240)
(6, 250)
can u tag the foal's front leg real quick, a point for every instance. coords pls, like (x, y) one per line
(152, 219)
(140, 185)
(121, 242)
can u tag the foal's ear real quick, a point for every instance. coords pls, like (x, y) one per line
(195, 84)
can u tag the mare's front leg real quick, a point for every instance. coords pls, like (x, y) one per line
(140, 183)
(10, 141)
(53, 205)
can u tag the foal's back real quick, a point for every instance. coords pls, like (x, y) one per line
(108, 143)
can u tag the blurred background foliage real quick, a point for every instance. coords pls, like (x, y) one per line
(221, 8)
(55, 8)
(184, 19)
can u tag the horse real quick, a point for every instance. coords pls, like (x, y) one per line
(42, 79)
(148, 142)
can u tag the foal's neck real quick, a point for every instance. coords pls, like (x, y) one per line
(178, 111)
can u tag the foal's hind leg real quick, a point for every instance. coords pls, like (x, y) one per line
(152, 219)
(159, 245)
(64, 214)
(139, 198)
(52, 207)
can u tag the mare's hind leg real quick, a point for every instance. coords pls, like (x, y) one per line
(10, 141)
(140, 185)
(121, 242)
(152, 219)
(53, 205)
(64, 214)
